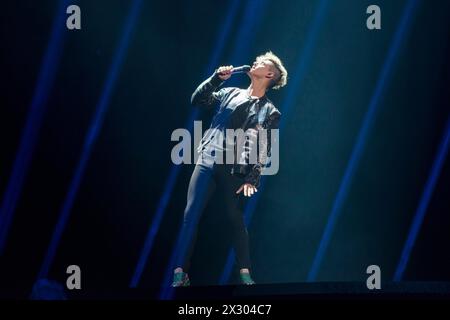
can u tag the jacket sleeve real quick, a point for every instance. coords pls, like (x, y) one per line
(254, 175)
(205, 94)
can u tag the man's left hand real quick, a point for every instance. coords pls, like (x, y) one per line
(248, 188)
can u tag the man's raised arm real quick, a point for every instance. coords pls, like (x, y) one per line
(205, 95)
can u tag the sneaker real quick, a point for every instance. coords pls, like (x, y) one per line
(246, 279)
(180, 279)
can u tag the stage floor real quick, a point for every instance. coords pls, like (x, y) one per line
(282, 291)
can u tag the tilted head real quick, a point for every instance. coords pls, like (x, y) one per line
(268, 67)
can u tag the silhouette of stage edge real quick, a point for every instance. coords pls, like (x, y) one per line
(278, 291)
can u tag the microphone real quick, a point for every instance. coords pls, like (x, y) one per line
(242, 69)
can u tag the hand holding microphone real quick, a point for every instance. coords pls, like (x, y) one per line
(225, 72)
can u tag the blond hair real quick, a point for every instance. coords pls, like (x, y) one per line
(280, 78)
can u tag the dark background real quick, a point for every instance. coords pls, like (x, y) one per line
(168, 56)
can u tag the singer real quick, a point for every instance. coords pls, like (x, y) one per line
(250, 110)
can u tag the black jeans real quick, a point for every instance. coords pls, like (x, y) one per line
(204, 181)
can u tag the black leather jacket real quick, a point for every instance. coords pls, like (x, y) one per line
(238, 110)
